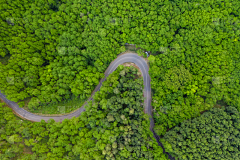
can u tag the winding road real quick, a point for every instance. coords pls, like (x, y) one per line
(127, 57)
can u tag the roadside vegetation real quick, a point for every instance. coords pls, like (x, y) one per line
(54, 52)
(113, 126)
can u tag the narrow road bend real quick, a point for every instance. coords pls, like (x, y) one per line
(128, 57)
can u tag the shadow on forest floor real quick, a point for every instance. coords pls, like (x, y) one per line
(4, 60)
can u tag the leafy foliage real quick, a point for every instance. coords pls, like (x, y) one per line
(213, 135)
(48, 55)
(199, 66)
(52, 42)
(11, 141)
(60, 49)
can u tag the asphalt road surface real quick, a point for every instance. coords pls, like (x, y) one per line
(128, 57)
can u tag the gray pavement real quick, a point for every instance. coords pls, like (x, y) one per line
(128, 57)
(122, 58)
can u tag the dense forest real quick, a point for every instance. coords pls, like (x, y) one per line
(56, 51)
(213, 135)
